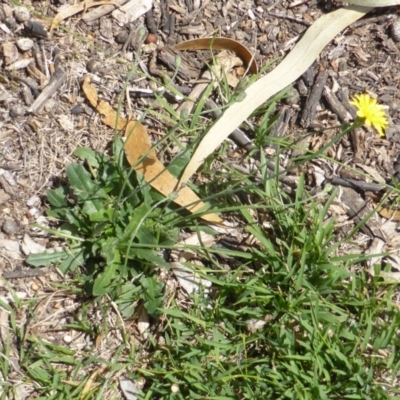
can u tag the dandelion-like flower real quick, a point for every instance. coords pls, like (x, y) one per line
(370, 112)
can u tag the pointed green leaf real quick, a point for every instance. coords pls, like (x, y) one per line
(74, 260)
(87, 154)
(90, 207)
(128, 294)
(57, 197)
(135, 222)
(152, 294)
(82, 184)
(45, 259)
(103, 280)
(80, 178)
(152, 257)
(110, 252)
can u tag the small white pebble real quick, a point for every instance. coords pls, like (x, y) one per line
(395, 30)
(33, 211)
(67, 339)
(21, 295)
(140, 382)
(254, 325)
(251, 14)
(25, 44)
(21, 14)
(50, 105)
(32, 201)
(174, 388)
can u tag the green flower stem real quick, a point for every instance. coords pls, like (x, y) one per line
(359, 121)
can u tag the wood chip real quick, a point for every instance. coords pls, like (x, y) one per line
(310, 108)
(19, 64)
(187, 70)
(336, 106)
(10, 53)
(21, 273)
(101, 11)
(56, 81)
(131, 11)
(359, 210)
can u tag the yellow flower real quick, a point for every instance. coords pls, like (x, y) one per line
(370, 112)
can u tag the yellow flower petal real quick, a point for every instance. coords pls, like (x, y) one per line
(372, 113)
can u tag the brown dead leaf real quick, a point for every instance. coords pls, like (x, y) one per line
(109, 116)
(91, 384)
(144, 160)
(221, 44)
(387, 213)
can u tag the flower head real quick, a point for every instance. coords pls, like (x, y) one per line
(370, 112)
